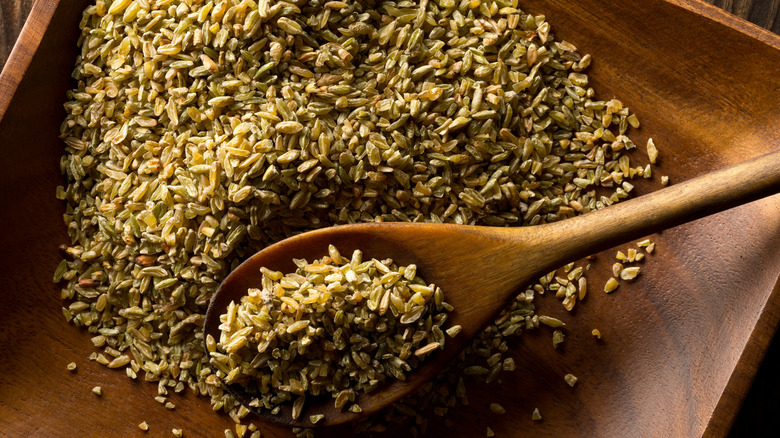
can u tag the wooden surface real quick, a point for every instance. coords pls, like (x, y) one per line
(761, 12)
(13, 13)
(681, 347)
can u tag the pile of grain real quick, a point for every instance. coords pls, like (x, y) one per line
(201, 131)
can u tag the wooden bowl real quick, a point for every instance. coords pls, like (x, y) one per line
(680, 345)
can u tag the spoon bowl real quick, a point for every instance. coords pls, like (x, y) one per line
(480, 269)
(402, 242)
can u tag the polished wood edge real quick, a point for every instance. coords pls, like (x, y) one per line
(721, 16)
(736, 389)
(24, 50)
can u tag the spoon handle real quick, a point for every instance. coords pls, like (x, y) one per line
(735, 185)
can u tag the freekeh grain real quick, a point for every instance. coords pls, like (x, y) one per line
(200, 132)
(320, 331)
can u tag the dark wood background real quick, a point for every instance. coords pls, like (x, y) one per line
(760, 414)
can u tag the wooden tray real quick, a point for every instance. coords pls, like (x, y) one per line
(680, 346)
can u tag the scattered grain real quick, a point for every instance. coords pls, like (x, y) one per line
(550, 321)
(497, 408)
(427, 349)
(629, 273)
(454, 330)
(611, 285)
(652, 151)
(557, 338)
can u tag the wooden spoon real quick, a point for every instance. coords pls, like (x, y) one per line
(480, 269)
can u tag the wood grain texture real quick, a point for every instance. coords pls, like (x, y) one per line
(760, 12)
(681, 345)
(13, 14)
